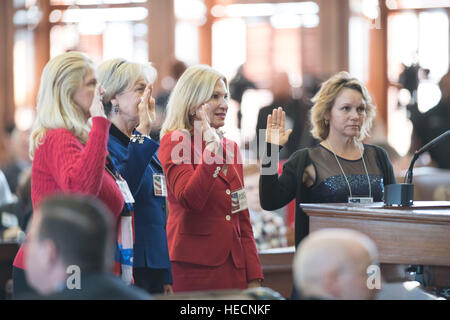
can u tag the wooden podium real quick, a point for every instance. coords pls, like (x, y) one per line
(417, 235)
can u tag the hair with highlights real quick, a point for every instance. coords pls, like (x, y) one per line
(56, 109)
(194, 88)
(324, 101)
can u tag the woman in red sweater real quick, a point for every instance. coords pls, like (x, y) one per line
(210, 237)
(68, 151)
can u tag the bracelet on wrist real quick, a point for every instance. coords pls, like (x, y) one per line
(139, 137)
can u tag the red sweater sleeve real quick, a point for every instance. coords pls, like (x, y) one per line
(190, 185)
(75, 168)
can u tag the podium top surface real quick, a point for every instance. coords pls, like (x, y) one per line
(421, 211)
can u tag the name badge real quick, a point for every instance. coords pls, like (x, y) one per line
(159, 185)
(123, 186)
(238, 201)
(360, 200)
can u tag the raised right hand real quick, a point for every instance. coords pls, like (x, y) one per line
(96, 109)
(209, 134)
(203, 113)
(276, 132)
(146, 109)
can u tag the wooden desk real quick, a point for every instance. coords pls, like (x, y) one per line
(403, 236)
(277, 269)
(418, 235)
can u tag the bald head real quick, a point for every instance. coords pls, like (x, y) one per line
(332, 263)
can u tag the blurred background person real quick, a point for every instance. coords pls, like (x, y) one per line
(20, 157)
(130, 107)
(332, 264)
(176, 70)
(296, 116)
(211, 242)
(8, 202)
(6, 196)
(433, 123)
(6, 144)
(238, 85)
(297, 110)
(69, 154)
(17, 171)
(24, 210)
(269, 228)
(58, 267)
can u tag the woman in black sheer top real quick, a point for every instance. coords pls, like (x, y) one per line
(340, 168)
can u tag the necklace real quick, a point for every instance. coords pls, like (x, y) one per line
(365, 168)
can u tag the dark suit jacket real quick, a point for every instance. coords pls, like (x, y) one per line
(430, 125)
(96, 286)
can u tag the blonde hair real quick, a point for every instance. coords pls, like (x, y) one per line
(325, 98)
(56, 109)
(195, 87)
(117, 75)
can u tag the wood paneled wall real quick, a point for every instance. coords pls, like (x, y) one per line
(378, 64)
(333, 36)
(324, 49)
(6, 71)
(161, 36)
(42, 44)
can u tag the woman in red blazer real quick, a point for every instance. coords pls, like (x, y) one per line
(211, 243)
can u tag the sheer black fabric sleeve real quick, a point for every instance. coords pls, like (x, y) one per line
(277, 191)
(385, 165)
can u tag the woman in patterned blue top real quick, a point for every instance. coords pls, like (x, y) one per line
(130, 107)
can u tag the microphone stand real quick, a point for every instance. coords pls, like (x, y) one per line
(403, 194)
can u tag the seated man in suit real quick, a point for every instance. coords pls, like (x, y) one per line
(332, 264)
(70, 252)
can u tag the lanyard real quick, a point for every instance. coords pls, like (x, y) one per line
(128, 207)
(110, 168)
(157, 163)
(365, 168)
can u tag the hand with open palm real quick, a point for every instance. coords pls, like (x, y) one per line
(146, 110)
(96, 109)
(276, 132)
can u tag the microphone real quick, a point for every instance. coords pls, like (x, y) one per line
(424, 149)
(403, 194)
